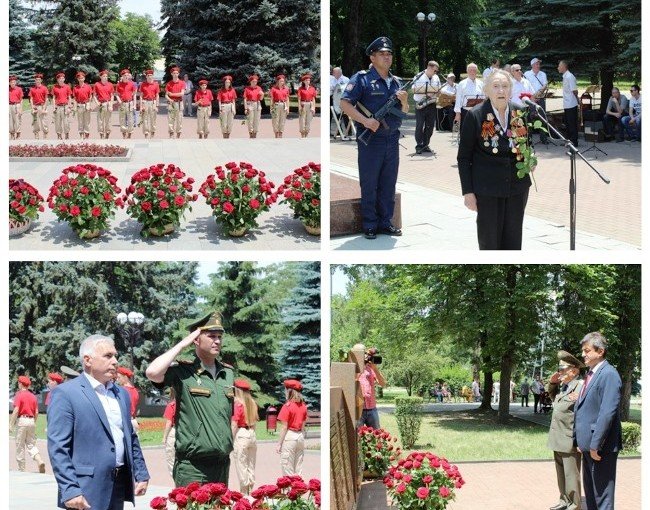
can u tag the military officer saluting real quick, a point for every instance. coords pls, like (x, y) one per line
(379, 160)
(564, 388)
(204, 400)
(15, 107)
(38, 101)
(82, 94)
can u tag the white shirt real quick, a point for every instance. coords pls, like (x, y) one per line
(517, 88)
(448, 89)
(113, 414)
(569, 84)
(488, 71)
(536, 80)
(342, 80)
(433, 83)
(465, 90)
(634, 106)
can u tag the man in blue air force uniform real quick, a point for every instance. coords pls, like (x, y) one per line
(366, 93)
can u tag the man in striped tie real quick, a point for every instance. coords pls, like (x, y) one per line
(597, 426)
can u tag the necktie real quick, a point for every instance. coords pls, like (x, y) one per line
(584, 385)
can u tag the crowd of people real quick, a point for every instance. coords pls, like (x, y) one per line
(138, 104)
(92, 430)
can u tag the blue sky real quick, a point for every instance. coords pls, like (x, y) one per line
(151, 7)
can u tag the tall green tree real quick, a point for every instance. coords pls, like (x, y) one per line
(74, 35)
(136, 42)
(298, 355)
(21, 48)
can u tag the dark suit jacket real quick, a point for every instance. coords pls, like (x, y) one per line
(597, 423)
(481, 171)
(81, 447)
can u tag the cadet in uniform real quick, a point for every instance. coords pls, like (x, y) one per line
(306, 104)
(149, 94)
(204, 400)
(82, 93)
(203, 101)
(279, 105)
(15, 107)
(564, 388)
(38, 101)
(53, 380)
(125, 379)
(244, 418)
(104, 92)
(174, 91)
(293, 416)
(379, 160)
(62, 97)
(125, 94)
(226, 96)
(253, 95)
(169, 434)
(24, 418)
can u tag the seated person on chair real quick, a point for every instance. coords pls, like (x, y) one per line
(631, 122)
(616, 109)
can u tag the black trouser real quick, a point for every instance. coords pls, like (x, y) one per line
(571, 122)
(425, 119)
(500, 221)
(119, 489)
(524, 398)
(536, 395)
(609, 124)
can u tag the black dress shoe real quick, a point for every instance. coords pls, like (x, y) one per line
(370, 233)
(390, 230)
(418, 150)
(426, 149)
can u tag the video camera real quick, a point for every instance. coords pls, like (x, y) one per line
(370, 356)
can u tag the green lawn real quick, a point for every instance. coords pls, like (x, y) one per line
(472, 436)
(151, 431)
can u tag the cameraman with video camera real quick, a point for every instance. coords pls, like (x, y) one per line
(370, 376)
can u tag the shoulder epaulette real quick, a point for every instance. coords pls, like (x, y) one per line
(227, 366)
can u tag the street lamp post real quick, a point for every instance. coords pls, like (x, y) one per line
(425, 22)
(130, 328)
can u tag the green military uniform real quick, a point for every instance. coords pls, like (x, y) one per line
(560, 436)
(204, 405)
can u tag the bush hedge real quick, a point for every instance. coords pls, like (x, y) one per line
(631, 436)
(408, 413)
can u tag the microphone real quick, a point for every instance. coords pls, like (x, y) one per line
(531, 103)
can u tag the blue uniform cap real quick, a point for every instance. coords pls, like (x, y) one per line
(380, 44)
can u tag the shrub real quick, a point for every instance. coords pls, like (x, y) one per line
(631, 436)
(377, 449)
(408, 413)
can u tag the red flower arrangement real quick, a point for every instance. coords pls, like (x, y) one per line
(158, 197)
(64, 150)
(85, 196)
(25, 202)
(301, 190)
(289, 493)
(238, 195)
(423, 480)
(377, 449)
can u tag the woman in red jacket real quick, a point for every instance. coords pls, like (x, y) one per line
(279, 104)
(293, 416)
(306, 104)
(226, 96)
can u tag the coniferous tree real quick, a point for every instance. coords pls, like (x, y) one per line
(21, 48)
(299, 353)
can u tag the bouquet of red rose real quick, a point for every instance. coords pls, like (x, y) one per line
(86, 197)
(289, 493)
(423, 480)
(25, 202)
(158, 197)
(238, 194)
(209, 496)
(301, 190)
(377, 449)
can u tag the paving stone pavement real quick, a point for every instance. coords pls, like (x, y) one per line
(277, 230)
(433, 214)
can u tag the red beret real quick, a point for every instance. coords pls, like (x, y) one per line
(306, 76)
(227, 77)
(38, 75)
(12, 78)
(148, 72)
(174, 69)
(59, 75)
(279, 77)
(253, 77)
(125, 371)
(24, 380)
(80, 74)
(104, 72)
(124, 71)
(292, 384)
(242, 384)
(201, 82)
(55, 377)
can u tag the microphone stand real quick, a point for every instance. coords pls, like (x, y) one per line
(572, 153)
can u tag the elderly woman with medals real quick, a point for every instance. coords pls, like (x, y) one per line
(494, 162)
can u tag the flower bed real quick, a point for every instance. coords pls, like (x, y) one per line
(63, 150)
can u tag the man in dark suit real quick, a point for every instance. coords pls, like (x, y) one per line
(95, 454)
(597, 426)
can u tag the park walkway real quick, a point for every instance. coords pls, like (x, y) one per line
(31, 490)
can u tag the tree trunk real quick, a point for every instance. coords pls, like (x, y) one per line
(607, 56)
(504, 390)
(351, 58)
(486, 403)
(507, 360)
